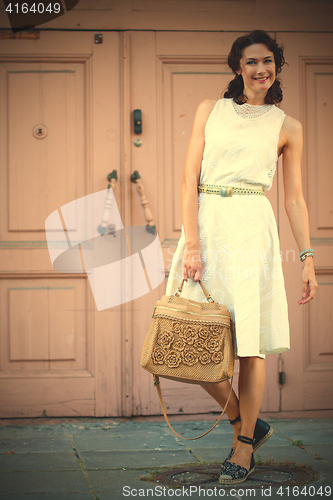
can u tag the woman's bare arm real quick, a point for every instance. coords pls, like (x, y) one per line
(295, 205)
(192, 258)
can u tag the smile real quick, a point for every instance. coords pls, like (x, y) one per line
(261, 79)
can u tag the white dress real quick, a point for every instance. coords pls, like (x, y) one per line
(238, 236)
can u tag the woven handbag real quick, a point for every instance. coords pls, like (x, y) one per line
(191, 342)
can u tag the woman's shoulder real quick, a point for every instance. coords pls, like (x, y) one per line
(291, 131)
(291, 128)
(209, 104)
(291, 124)
(206, 107)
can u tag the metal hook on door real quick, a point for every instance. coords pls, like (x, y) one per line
(105, 227)
(135, 178)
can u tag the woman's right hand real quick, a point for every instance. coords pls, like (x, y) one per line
(192, 264)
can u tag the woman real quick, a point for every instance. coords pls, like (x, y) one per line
(231, 242)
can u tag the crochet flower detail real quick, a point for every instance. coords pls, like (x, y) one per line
(216, 329)
(158, 356)
(205, 358)
(173, 359)
(189, 334)
(176, 327)
(188, 343)
(213, 344)
(165, 339)
(199, 344)
(217, 357)
(203, 333)
(189, 356)
(179, 345)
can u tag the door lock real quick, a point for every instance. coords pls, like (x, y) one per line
(137, 121)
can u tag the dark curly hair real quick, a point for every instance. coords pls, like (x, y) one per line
(236, 86)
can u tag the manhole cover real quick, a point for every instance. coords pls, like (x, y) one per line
(206, 476)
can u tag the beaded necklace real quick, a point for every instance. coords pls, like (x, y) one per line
(250, 110)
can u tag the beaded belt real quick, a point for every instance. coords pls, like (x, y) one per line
(227, 190)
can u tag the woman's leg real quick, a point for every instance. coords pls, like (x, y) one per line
(220, 393)
(251, 385)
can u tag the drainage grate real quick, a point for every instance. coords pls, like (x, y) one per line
(206, 476)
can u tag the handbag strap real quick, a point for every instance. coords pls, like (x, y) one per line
(159, 392)
(208, 297)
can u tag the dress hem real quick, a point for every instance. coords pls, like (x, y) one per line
(275, 351)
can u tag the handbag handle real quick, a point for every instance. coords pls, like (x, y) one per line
(180, 288)
(159, 392)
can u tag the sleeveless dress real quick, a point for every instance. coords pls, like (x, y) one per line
(238, 236)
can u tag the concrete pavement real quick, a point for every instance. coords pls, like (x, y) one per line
(110, 458)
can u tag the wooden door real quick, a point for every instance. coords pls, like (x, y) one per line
(308, 88)
(171, 73)
(59, 355)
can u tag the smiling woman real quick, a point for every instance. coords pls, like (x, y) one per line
(233, 150)
(257, 69)
(256, 60)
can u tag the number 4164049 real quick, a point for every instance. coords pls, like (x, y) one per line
(306, 491)
(40, 9)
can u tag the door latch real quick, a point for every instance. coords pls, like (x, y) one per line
(137, 121)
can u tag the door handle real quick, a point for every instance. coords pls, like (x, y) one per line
(135, 178)
(105, 227)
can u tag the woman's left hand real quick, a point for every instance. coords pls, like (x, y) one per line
(309, 283)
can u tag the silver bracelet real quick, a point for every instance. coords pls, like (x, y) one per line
(305, 251)
(309, 254)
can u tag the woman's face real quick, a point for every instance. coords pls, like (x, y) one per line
(257, 67)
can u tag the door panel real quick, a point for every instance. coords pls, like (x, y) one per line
(43, 94)
(41, 172)
(185, 85)
(308, 87)
(44, 331)
(56, 349)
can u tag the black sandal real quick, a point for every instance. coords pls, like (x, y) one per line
(232, 473)
(262, 432)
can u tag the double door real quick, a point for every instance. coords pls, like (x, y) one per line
(60, 355)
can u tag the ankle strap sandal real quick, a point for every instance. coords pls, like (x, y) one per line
(246, 440)
(262, 431)
(237, 419)
(232, 473)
